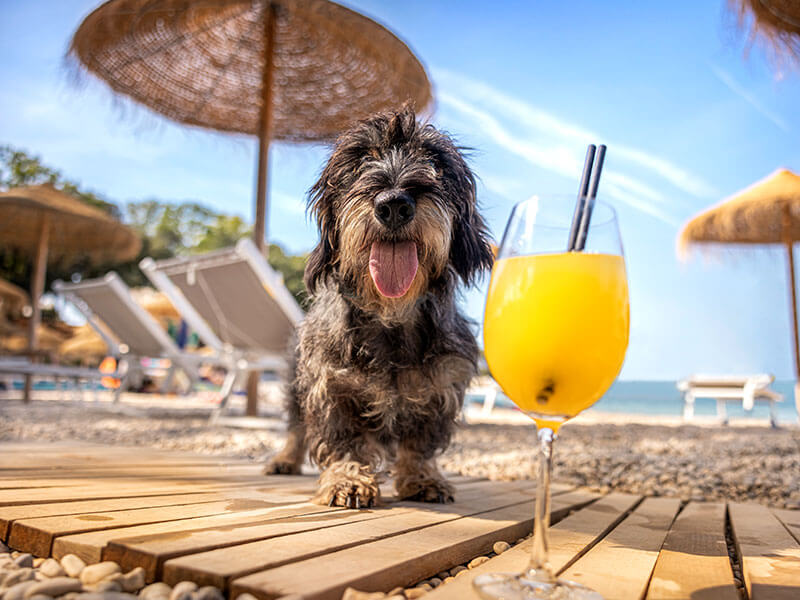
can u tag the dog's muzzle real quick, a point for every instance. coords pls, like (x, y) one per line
(394, 208)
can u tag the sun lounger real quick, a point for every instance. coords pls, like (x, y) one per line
(130, 332)
(237, 304)
(59, 373)
(746, 390)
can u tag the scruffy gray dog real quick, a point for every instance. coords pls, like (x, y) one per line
(383, 357)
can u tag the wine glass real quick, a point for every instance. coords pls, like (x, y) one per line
(555, 333)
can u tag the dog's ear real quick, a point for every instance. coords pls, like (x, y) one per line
(321, 207)
(470, 248)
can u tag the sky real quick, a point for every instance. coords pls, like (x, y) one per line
(689, 111)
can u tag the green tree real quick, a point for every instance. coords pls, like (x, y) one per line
(167, 230)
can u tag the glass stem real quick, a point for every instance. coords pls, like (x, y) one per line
(539, 568)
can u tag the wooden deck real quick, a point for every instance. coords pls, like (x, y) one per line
(220, 522)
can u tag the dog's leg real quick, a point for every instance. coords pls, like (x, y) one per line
(348, 483)
(289, 460)
(418, 478)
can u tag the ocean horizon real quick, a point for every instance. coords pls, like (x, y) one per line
(653, 397)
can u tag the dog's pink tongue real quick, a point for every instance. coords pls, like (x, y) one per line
(393, 266)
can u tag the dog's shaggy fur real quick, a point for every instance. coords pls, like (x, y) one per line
(379, 378)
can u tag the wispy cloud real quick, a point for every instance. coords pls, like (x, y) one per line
(554, 149)
(555, 129)
(748, 97)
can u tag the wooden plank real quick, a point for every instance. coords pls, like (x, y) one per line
(694, 562)
(236, 561)
(790, 520)
(569, 539)
(9, 514)
(90, 546)
(151, 551)
(770, 555)
(36, 535)
(402, 559)
(634, 543)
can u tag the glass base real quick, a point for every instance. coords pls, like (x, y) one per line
(508, 586)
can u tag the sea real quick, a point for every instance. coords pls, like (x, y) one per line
(654, 398)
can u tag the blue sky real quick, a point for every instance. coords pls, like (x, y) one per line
(689, 118)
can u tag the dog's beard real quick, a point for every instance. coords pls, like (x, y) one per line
(390, 272)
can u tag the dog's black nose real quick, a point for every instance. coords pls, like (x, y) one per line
(394, 209)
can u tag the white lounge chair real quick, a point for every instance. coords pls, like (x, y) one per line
(236, 303)
(129, 331)
(746, 390)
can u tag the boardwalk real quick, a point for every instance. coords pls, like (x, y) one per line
(220, 522)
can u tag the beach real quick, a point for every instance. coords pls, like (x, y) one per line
(746, 462)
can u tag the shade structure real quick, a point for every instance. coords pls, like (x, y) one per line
(12, 298)
(767, 212)
(49, 224)
(202, 63)
(776, 21)
(294, 70)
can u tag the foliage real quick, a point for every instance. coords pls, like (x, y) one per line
(17, 168)
(166, 229)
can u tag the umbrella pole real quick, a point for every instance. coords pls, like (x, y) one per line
(37, 288)
(793, 309)
(264, 136)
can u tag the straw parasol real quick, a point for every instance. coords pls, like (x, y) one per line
(86, 345)
(293, 70)
(767, 212)
(299, 70)
(12, 298)
(776, 21)
(50, 225)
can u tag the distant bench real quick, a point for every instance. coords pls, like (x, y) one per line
(745, 389)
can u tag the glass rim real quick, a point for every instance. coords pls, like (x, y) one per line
(552, 198)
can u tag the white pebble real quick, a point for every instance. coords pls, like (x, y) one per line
(73, 565)
(54, 587)
(500, 547)
(354, 594)
(18, 576)
(17, 591)
(183, 590)
(96, 573)
(52, 568)
(246, 596)
(156, 591)
(42, 597)
(106, 585)
(133, 580)
(477, 562)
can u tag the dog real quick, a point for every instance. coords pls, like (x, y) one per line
(383, 356)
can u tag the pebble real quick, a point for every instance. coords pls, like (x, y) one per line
(56, 586)
(477, 562)
(246, 596)
(416, 592)
(37, 562)
(448, 579)
(52, 568)
(395, 597)
(183, 590)
(24, 560)
(105, 596)
(354, 594)
(158, 591)
(73, 565)
(500, 547)
(41, 597)
(97, 572)
(208, 592)
(443, 575)
(17, 591)
(19, 576)
(435, 581)
(133, 580)
(105, 585)
(456, 570)
(398, 591)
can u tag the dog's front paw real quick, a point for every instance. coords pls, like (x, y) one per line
(425, 490)
(349, 484)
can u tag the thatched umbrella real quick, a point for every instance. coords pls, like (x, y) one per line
(775, 21)
(294, 70)
(49, 224)
(767, 212)
(12, 298)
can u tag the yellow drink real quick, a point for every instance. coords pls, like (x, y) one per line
(555, 330)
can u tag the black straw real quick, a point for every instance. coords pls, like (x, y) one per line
(583, 190)
(588, 206)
